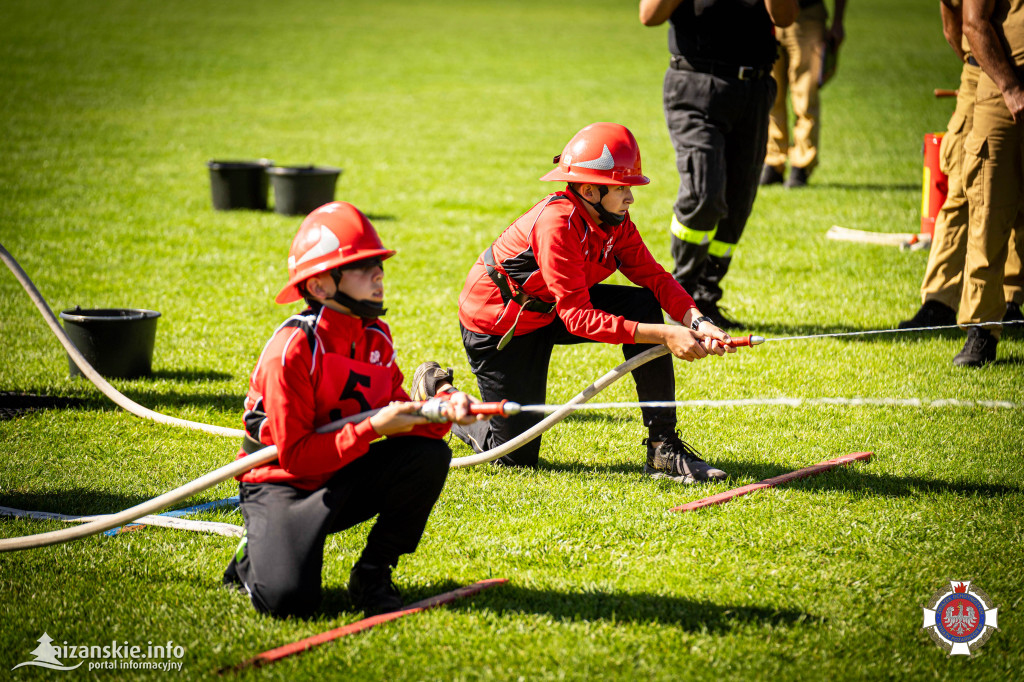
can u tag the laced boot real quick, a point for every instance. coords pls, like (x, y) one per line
(675, 459)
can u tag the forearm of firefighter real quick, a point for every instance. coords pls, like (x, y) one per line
(987, 49)
(657, 12)
(782, 12)
(953, 28)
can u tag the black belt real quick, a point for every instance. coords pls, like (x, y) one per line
(972, 61)
(500, 279)
(720, 69)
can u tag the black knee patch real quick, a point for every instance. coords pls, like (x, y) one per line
(285, 601)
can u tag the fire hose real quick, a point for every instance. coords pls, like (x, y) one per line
(432, 409)
(119, 398)
(260, 457)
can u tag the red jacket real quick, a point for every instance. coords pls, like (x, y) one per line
(317, 368)
(555, 252)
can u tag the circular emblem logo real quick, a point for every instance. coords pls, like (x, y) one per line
(960, 618)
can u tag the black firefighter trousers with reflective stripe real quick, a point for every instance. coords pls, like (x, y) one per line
(719, 129)
(519, 372)
(398, 481)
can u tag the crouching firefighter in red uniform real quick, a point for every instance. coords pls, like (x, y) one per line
(333, 360)
(539, 284)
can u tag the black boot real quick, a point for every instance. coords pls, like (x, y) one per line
(798, 177)
(931, 314)
(427, 378)
(979, 350)
(231, 580)
(710, 308)
(371, 590)
(676, 459)
(770, 175)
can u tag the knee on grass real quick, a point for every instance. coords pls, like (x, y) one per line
(286, 600)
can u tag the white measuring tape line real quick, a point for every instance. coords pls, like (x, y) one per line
(800, 402)
(215, 527)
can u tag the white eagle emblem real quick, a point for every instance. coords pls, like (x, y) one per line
(960, 622)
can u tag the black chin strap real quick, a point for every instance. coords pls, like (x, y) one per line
(608, 219)
(367, 309)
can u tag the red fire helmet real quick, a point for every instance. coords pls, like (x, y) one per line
(603, 154)
(335, 234)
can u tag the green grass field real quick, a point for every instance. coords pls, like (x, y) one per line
(443, 116)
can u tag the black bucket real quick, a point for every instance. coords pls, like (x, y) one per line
(300, 189)
(239, 184)
(118, 342)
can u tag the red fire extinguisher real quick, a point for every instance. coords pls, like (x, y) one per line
(935, 185)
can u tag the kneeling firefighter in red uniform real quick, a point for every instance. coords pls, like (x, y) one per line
(335, 359)
(539, 284)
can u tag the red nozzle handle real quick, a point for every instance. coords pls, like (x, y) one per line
(497, 408)
(501, 409)
(750, 340)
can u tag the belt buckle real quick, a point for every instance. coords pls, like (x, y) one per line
(745, 73)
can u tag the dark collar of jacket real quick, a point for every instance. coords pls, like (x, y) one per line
(338, 330)
(581, 208)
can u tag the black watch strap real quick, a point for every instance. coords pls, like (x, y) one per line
(702, 318)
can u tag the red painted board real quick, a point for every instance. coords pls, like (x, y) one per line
(728, 495)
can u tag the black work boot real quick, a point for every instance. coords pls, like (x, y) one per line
(1013, 313)
(371, 590)
(231, 580)
(427, 378)
(710, 308)
(675, 459)
(979, 350)
(798, 177)
(931, 314)
(770, 175)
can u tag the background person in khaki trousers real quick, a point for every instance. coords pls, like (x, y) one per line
(993, 168)
(797, 71)
(943, 277)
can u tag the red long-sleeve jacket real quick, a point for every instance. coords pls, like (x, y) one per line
(317, 368)
(555, 252)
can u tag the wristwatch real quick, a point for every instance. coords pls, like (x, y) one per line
(702, 318)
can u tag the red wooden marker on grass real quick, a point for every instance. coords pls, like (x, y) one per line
(728, 495)
(302, 645)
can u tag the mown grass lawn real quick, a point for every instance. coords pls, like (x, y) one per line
(443, 117)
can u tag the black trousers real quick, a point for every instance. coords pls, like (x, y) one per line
(519, 372)
(719, 129)
(398, 481)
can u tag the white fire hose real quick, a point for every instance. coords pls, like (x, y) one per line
(94, 376)
(263, 456)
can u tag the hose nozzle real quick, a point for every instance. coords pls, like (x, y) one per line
(750, 340)
(433, 409)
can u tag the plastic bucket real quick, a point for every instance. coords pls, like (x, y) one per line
(300, 189)
(118, 342)
(239, 184)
